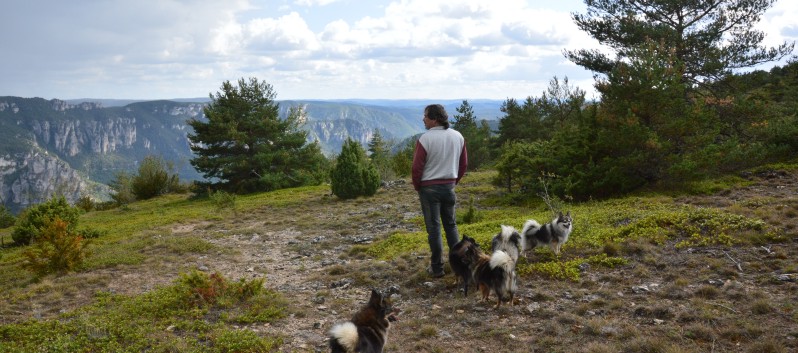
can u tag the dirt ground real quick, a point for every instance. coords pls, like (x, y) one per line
(712, 299)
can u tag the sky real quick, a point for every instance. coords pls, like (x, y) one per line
(306, 49)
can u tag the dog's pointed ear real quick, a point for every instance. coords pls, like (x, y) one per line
(560, 214)
(376, 296)
(568, 213)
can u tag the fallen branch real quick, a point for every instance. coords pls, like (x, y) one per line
(725, 307)
(737, 263)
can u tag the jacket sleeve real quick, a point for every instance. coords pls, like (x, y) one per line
(419, 160)
(463, 164)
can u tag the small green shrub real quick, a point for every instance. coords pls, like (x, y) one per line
(471, 215)
(55, 250)
(428, 331)
(761, 307)
(88, 233)
(214, 290)
(353, 175)
(106, 205)
(402, 161)
(700, 332)
(153, 178)
(553, 269)
(123, 189)
(607, 261)
(707, 292)
(223, 200)
(243, 341)
(611, 249)
(33, 220)
(85, 203)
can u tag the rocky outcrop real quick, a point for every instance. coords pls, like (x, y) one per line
(333, 133)
(32, 178)
(71, 137)
(59, 105)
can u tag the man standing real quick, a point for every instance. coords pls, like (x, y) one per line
(439, 161)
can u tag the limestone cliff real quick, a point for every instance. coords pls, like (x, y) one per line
(30, 178)
(56, 148)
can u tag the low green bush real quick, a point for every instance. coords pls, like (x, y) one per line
(35, 219)
(56, 250)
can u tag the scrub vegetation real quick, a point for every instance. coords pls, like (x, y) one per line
(659, 271)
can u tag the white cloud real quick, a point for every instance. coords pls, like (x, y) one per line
(305, 48)
(779, 23)
(314, 2)
(227, 39)
(287, 33)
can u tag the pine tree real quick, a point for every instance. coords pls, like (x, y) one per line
(465, 120)
(402, 160)
(477, 136)
(521, 122)
(379, 153)
(560, 103)
(353, 175)
(244, 146)
(711, 37)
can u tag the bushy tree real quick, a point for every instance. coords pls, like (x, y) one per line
(244, 146)
(86, 203)
(476, 134)
(402, 159)
(353, 175)
(521, 122)
(379, 154)
(122, 184)
(58, 249)
(155, 177)
(760, 108)
(560, 104)
(465, 120)
(642, 132)
(563, 148)
(710, 37)
(33, 220)
(538, 118)
(517, 165)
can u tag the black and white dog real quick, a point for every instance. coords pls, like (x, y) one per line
(367, 332)
(458, 263)
(554, 234)
(509, 241)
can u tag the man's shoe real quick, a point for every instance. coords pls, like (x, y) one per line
(435, 274)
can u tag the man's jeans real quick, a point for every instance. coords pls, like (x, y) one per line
(437, 205)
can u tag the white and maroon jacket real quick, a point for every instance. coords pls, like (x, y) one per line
(440, 158)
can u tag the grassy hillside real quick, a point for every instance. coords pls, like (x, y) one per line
(708, 270)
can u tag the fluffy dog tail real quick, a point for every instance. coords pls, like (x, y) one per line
(508, 240)
(343, 337)
(502, 260)
(530, 226)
